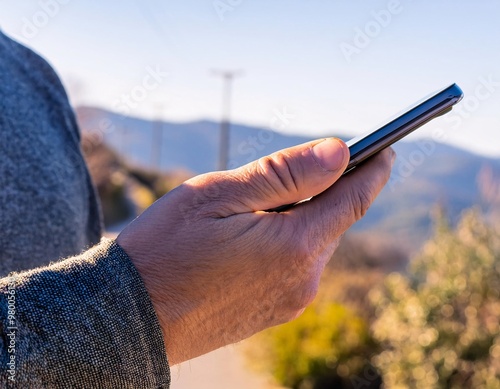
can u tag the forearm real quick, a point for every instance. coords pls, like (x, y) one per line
(84, 322)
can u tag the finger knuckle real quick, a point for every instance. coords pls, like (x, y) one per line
(306, 296)
(279, 174)
(387, 164)
(300, 300)
(304, 288)
(361, 201)
(302, 251)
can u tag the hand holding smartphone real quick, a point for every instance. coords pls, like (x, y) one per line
(363, 147)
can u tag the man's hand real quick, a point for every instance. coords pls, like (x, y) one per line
(219, 269)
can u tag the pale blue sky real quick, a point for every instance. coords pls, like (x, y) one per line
(290, 52)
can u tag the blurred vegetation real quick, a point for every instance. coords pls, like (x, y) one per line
(330, 345)
(439, 325)
(323, 348)
(434, 326)
(125, 190)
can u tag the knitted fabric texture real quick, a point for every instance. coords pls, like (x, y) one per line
(84, 322)
(48, 207)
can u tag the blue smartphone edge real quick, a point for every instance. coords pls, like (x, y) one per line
(424, 110)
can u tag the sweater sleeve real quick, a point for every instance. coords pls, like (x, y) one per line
(85, 322)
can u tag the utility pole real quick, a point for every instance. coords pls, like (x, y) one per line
(227, 77)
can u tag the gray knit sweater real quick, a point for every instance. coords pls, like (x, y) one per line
(86, 321)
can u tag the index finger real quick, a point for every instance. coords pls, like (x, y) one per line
(330, 214)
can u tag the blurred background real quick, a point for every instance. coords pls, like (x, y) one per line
(167, 90)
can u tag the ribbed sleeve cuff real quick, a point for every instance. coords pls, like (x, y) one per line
(84, 322)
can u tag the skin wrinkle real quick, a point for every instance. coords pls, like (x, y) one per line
(217, 205)
(342, 203)
(268, 172)
(294, 187)
(245, 229)
(238, 193)
(361, 196)
(229, 208)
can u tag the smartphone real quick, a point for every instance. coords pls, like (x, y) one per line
(430, 107)
(363, 147)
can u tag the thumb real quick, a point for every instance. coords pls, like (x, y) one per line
(286, 176)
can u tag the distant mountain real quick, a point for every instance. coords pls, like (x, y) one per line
(192, 145)
(426, 173)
